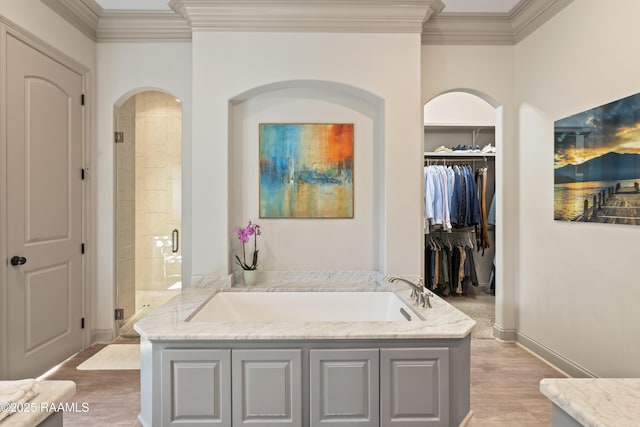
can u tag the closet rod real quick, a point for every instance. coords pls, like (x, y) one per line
(456, 160)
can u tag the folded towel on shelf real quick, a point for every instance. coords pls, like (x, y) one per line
(443, 149)
(17, 392)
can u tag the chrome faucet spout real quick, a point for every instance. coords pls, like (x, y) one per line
(417, 286)
(417, 290)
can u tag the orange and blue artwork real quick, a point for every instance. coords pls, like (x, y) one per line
(306, 170)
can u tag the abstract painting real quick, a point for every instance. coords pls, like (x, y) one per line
(306, 170)
(597, 164)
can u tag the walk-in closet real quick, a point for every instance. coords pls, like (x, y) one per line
(459, 204)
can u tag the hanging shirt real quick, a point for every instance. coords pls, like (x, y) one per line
(446, 223)
(429, 194)
(438, 201)
(456, 196)
(472, 216)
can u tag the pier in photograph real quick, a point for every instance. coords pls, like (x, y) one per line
(622, 208)
(616, 205)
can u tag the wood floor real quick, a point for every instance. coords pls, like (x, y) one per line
(505, 386)
(504, 389)
(113, 396)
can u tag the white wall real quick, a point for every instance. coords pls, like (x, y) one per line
(386, 66)
(487, 71)
(123, 70)
(577, 282)
(459, 109)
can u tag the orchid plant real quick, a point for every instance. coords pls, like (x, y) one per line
(244, 235)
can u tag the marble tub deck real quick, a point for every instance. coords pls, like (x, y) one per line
(596, 402)
(170, 322)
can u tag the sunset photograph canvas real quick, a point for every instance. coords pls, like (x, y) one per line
(597, 164)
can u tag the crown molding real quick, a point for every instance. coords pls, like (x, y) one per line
(491, 29)
(371, 16)
(381, 16)
(82, 14)
(468, 29)
(143, 26)
(529, 15)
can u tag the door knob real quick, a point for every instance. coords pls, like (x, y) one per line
(18, 260)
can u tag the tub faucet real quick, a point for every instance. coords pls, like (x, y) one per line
(417, 290)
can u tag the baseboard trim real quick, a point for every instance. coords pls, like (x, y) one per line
(102, 336)
(507, 335)
(553, 359)
(466, 419)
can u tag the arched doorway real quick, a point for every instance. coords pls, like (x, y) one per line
(460, 132)
(148, 174)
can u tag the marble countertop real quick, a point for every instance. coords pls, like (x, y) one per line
(168, 321)
(596, 402)
(51, 394)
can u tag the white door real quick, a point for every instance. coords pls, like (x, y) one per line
(44, 161)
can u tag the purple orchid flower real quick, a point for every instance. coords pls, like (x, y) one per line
(244, 234)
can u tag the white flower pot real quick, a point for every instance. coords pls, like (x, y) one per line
(249, 277)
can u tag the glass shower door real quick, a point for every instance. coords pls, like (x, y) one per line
(149, 224)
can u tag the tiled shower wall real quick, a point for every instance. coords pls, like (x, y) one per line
(158, 183)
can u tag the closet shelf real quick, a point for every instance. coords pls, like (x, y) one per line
(457, 127)
(457, 154)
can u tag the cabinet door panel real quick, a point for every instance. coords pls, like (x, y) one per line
(344, 388)
(414, 387)
(196, 387)
(267, 388)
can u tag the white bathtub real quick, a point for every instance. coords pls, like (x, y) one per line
(304, 307)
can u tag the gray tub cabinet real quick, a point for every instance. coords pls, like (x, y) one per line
(414, 387)
(266, 387)
(345, 383)
(344, 387)
(195, 387)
